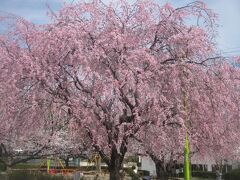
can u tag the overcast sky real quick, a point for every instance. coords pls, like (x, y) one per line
(228, 11)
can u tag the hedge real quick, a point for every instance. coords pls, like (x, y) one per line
(232, 175)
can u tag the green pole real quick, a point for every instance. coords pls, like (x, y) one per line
(187, 173)
(186, 160)
(48, 165)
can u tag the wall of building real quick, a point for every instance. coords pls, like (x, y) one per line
(148, 164)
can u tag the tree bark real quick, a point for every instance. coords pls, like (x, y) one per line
(114, 173)
(115, 165)
(114, 162)
(66, 161)
(161, 170)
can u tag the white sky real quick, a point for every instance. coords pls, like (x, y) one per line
(228, 11)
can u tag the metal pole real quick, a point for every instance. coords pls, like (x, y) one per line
(186, 160)
(187, 173)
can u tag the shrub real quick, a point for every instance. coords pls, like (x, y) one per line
(131, 159)
(26, 166)
(131, 173)
(2, 167)
(20, 175)
(143, 173)
(204, 174)
(232, 175)
(201, 174)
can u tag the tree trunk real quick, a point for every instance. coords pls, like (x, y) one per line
(114, 162)
(161, 170)
(115, 165)
(66, 161)
(114, 173)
